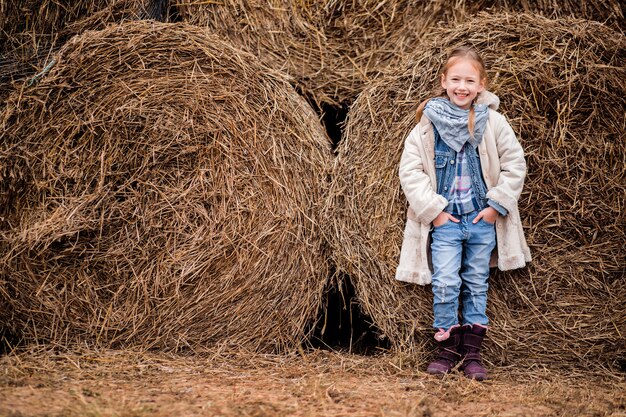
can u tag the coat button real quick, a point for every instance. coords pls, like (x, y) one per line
(452, 161)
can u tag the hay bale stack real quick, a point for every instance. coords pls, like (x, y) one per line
(161, 189)
(561, 86)
(334, 47)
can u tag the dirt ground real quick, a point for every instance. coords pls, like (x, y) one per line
(44, 382)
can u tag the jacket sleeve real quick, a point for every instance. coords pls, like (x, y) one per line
(416, 183)
(512, 166)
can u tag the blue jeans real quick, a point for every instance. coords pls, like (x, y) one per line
(460, 255)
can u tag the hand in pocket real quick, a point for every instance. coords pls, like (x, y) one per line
(443, 218)
(488, 215)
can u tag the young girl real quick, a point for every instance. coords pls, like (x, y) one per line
(462, 171)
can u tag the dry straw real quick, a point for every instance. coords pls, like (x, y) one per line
(53, 17)
(31, 31)
(318, 383)
(334, 47)
(331, 47)
(30, 28)
(561, 86)
(161, 189)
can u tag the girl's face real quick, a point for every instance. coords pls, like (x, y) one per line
(462, 83)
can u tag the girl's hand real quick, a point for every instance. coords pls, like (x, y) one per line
(489, 215)
(444, 217)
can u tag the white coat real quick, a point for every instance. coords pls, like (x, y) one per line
(503, 168)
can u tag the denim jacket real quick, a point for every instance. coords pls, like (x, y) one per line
(445, 160)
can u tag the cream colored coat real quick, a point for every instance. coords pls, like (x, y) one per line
(503, 168)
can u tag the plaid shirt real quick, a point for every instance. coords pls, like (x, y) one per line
(462, 198)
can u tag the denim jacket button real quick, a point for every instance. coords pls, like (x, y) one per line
(452, 161)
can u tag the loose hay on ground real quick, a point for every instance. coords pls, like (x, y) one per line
(45, 382)
(561, 87)
(161, 189)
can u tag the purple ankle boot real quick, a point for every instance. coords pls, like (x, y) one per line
(473, 336)
(448, 355)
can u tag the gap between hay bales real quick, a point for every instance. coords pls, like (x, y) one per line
(333, 118)
(343, 325)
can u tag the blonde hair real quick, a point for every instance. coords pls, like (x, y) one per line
(456, 55)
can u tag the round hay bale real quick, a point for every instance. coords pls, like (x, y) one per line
(561, 86)
(162, 189)
(334, 47)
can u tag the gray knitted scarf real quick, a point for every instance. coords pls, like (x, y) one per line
(451, 122)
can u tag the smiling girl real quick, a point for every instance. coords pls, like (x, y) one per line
(462, 171)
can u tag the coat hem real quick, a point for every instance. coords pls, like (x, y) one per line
(512, 262)
(420, 278)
